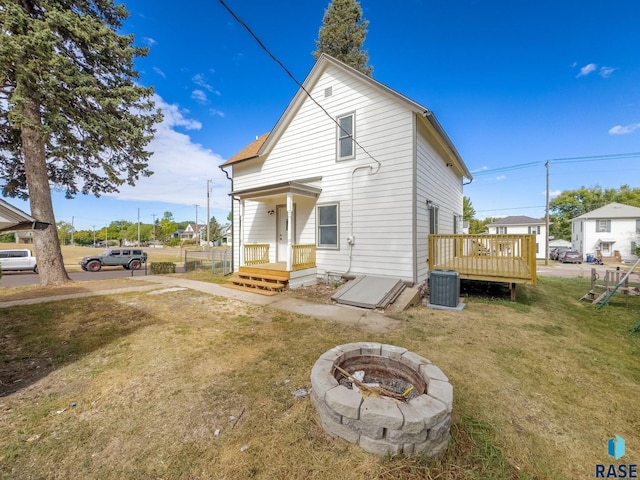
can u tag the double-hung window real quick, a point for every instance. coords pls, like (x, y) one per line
(346, 133)
(327, 224)
(501, 230)
(535, 229)
(433, 219)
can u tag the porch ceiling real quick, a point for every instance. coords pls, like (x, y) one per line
(295, 187)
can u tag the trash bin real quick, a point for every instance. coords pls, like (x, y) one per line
(589, 258)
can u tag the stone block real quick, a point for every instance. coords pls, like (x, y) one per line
(408, 448)
(379, 447)
(382, 412)
(440, 431)
(367, 430)
(338, 430)
(413, 420)
(321, 378)
(433, 411)
(400, 436)
(323, 409)
(350, 350)
(393, 352)
(370, 348)
(414, 360)
(431, 372)
(442, 391)
(334, 355)
(433, 449)
(344, 401)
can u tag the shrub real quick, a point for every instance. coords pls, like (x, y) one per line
(163, 267)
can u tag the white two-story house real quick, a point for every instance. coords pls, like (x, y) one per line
(351, 181)
(521, 224)
(607, 230)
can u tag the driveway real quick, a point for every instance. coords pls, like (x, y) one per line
(571, 270)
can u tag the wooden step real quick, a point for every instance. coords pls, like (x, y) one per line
(265, 276)
(257, 283)
(250, 289)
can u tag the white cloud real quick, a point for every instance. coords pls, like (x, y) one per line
(199, 96)
(605, 72)
(501, 177)
(620, 130)
(159, 72)
(480, 169)
(149, 41)
(215, 112)
(199, 80)
(587, 69)
(181, 168)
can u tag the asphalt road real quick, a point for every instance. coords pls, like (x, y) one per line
(19, 279)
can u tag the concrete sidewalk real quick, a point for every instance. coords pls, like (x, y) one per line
(356, 317)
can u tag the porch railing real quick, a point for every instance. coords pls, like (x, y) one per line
(304, 256)
(506, 258)
(256, 253)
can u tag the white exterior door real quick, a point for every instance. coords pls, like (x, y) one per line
(282, 231)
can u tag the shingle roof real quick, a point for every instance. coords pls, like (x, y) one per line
(517, 220)
(612, 210)
(248, 152)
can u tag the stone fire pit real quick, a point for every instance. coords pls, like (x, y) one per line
(380, 424)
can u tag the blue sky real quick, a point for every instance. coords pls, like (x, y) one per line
(511, 83)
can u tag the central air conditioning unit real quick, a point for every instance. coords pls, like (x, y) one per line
(444, 288)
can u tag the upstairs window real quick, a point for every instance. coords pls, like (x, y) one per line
(535, 229)
(346, 132)
(603, 225)
(501, 230)
(433, 220)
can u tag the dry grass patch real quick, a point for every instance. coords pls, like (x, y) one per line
(175, 385)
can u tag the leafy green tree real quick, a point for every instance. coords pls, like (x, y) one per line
(477, 226)
(573, 203)
(8, 238)
(83, 237)
(468, 212)
(71, 112)
(215, 230)
(65, 230)
(342, 35)
(166, 227)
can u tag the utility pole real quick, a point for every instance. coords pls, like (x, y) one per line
(138, 226)
(208, 214)
(154, 226)
(94, 235)
(72, 230)
(196, 230)
(546, 240)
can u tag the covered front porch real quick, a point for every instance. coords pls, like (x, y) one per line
(277, 235)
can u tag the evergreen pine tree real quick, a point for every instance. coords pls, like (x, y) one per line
(71, 114)
(343, 33)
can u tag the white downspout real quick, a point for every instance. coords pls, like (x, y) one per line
(241, 239)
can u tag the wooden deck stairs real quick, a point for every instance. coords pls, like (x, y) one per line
(268, 279)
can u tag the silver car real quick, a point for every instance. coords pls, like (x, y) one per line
(570, 256)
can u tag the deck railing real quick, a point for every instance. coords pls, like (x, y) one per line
(256, 253)
(498, 258)
(304, 256)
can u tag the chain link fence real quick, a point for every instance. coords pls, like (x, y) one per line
(217, 260)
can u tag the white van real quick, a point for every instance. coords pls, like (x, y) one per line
(15, 260)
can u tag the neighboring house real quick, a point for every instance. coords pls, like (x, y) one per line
(357, 174)
(558, 243)
(605, 230)
(521, 224)
(193, 232)
(12, 219)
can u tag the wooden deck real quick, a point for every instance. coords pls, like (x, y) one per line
(492, 258)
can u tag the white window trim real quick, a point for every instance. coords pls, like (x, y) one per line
(328, 247)
(339, 136)
(434, 213)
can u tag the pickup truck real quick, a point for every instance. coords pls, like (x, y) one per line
(16, 260)
(129, 258)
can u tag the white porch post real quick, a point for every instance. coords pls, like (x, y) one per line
(241, 234)
(289, 231)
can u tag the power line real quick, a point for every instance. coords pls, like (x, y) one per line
(295, 80)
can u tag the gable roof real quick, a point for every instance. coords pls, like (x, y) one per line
(12, 218)
(248, 152)
(264, 144)
(611, 210)
(517, 220)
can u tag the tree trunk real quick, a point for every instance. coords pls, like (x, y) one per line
(47, 246)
